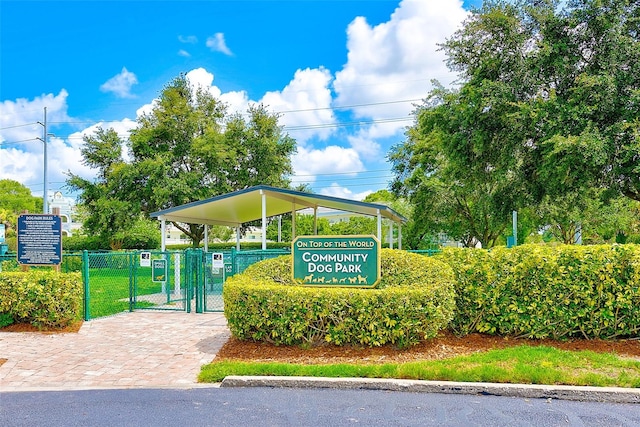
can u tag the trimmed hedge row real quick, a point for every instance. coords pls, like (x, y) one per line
(42, 298)
(547, 291)
(413, 302)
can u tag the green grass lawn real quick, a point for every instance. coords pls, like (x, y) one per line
(523, 365)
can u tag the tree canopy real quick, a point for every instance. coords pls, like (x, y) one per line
(187, 148)
(15, 199)
(547, 110)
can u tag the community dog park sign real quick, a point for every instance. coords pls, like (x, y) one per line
(349, 261)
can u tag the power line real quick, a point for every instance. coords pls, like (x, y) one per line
(345, 173)
(345, 107)
(315, 187)
(292, 128)
(19, 126)
(345, 179)
(17, 142)
(347, 124)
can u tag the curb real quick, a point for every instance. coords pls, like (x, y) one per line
(576, 393)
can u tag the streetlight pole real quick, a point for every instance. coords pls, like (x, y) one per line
(45, 203)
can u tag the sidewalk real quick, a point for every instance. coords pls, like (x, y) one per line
(139, 349)
(147, 349)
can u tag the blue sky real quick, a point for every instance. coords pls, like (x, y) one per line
(344, 75)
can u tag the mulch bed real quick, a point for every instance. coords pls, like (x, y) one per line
(445, 345)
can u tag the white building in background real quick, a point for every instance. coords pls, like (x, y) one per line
(175, 236)
(66, 210)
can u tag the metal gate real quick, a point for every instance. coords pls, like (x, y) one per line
(160, 281)
(186, 281)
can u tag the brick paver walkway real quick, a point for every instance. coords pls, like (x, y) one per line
(139, 349)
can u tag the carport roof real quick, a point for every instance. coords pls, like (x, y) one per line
(234, 209)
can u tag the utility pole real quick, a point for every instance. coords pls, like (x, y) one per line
(45, 203)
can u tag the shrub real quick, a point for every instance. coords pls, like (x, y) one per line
(81, 243)
(547, 292)
(42, 298)
(244, 246)
(414, 301)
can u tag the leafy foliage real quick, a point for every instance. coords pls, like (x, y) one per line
(187, 148)
(547, 110)
(42, 298)
(414, 302)
(547, 292)
(15, 199)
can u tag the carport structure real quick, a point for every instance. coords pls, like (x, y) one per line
(262, 202)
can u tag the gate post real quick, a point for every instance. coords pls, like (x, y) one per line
(85, 283)
(188, 280)
(200, 282)
(132, 274)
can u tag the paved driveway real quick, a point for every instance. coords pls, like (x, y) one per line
(139, 349)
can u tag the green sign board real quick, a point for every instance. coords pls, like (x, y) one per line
(350, 261)
(159, 270)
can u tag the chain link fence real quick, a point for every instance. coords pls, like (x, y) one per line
(115, 282)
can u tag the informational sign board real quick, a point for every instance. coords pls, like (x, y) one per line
(145, 259)
(1, 233)
(349, 261)
(39, 239)
(159, 270)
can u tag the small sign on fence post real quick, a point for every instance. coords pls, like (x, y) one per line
(145, 259)
(159, 270)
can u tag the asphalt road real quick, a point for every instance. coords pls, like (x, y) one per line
(263, 406)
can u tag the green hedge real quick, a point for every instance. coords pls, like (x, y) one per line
(244, 246)
(42, 298)
(415, 300)
(547, 291)
(80, 243)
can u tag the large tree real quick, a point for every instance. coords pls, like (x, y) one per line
(570, 76)
(15, 199)
(187, 148)
(456, 187)
(547, 108)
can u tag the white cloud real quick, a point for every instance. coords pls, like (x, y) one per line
(309, 162)
(120, 84)
(335, 190)
(188, 39)
(366, 146)
(146, 108)
(24, 162)
(396, 60)
(236, 101)
(305, 104)
(22, 151)
(14, 115)
(184, 53)
(217, 44)
(200, 77)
